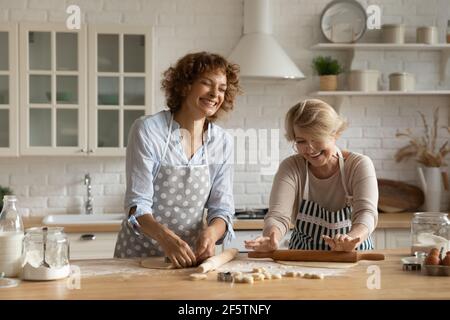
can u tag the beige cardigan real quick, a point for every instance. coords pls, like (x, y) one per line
(329, 193)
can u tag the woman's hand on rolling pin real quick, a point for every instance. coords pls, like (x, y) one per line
(206, 245)
(263, 244)
(341, 242)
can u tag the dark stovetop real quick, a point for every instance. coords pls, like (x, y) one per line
(250, 213)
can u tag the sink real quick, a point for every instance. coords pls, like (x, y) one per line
(72, 219)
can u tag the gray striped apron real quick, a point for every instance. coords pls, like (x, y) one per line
(179, 198)
(313, 221)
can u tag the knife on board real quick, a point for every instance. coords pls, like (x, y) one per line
(316, 255)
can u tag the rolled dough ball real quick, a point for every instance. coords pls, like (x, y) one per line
(257, 276)
(198, 276)
(290, 274)
(247, 279)
(267, 276)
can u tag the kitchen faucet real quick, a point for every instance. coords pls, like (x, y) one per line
(89, 204)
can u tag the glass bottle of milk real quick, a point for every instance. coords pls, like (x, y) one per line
(11, 237)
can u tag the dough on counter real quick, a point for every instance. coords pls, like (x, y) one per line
(290, 274)
(257, 276)
(317, 276)
(267, 275)
(314, 264)
(156, 263)
(247, 279)
(198, 276)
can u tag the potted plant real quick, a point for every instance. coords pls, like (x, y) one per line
(424, 150)
(4, 191)
(327, 68)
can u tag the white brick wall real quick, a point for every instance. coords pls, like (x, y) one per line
(56, 185)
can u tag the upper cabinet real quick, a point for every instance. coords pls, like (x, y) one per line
(8, 91)
(53, 85)
(82, 89)
(120, 85)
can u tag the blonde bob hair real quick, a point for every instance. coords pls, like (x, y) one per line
(315, 117)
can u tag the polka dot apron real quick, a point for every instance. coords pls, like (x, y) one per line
(179, 198)
(313, 221)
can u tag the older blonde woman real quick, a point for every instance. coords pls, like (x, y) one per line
(329, 196)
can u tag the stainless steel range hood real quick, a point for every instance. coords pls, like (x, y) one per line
(257, 52)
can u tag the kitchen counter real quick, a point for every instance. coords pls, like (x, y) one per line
(132, 282)
(385, 221)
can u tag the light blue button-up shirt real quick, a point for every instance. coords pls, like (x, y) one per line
(146, 142)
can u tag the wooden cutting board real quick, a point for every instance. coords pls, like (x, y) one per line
(397, 196)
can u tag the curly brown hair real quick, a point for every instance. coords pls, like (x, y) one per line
(177, 79)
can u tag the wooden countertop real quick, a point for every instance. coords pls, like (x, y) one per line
(138, 283)
(385, 221)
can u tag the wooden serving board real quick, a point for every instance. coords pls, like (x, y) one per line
(397, 196)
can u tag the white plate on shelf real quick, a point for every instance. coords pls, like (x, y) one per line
(343, 21)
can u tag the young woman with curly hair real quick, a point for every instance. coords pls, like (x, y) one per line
(178, 163)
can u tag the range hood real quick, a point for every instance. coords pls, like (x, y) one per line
(257, 52)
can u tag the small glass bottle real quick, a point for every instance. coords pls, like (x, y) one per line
(430, 230)
(11, 237)
(448, 31)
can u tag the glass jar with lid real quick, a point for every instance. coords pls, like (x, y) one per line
(46, 254)
(430, 230)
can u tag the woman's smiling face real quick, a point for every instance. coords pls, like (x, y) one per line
(318, 152)
(207, 93)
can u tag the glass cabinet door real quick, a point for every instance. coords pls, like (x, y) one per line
(122, 85)
(8, 91)
(55, 79)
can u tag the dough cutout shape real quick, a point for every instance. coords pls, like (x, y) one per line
(314, 264)
(156, 263)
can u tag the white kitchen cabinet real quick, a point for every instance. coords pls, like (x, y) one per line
(53, 84)
(66, 110)
(9, 110)
(379, 239)
(120, 90)
(96, 245)
(398, 238)
(392, 238)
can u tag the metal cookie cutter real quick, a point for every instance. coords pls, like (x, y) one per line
(413, 263)
(225, 276)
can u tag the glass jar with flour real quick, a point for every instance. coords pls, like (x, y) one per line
(46, 254)
(430, 230)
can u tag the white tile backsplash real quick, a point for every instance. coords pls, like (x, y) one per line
(52, 185)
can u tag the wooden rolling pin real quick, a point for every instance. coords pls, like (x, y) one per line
(214, 262)
(316, 255)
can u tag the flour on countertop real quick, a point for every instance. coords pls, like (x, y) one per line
(273, 267)
(92, 268)
(124, 267)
